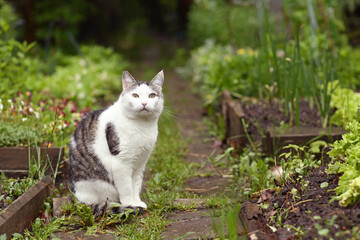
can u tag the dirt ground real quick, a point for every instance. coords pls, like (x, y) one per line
(310, 214)
(264, 115)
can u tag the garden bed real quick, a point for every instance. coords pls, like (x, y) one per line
(16, 217)
(266, 123)
(14, 161)
(307, 212)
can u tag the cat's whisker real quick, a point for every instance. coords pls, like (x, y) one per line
(167, 115)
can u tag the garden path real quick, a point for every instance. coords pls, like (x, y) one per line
(189, 113)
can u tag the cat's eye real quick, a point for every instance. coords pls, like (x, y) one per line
(152, 95)
(135, 95)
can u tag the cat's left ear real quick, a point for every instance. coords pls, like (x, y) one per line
(158, 80)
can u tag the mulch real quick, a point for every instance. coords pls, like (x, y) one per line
(262, 115)
(296, 213)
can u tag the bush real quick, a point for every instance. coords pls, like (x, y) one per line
(89, 81)
(214, 68)
(13, 66)
(8, 21)
(217, 20)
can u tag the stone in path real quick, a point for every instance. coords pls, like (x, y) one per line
(196, 223)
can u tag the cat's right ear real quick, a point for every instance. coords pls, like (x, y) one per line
(127, 80)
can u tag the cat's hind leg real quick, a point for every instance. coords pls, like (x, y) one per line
(96, 193)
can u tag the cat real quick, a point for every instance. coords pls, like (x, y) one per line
(110, 147)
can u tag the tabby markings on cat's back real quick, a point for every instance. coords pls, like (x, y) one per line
(82, 154)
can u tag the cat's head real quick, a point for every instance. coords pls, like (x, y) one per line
(142, 99)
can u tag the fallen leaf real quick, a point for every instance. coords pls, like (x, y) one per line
(217, 144)
(265, 195)
(47, 218)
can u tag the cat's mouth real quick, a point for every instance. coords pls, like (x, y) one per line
(144, 109)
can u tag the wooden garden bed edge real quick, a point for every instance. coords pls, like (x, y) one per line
(24, 210)
(233, 116)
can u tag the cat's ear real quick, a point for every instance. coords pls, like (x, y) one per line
(127, 80)
(158, 80)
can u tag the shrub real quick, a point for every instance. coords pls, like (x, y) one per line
(13, 66)
(89, 81)
(217, 20)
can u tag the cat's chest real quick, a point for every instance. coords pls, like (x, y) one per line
(132, 137)
(136, 136)
(136, 142)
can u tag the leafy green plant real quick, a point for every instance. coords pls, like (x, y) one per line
(329, 223)
(346, 102)
(46, 123)
(299, 160)
(222, 160)
(286, 72)
(251, 170)
(345, 155)
(13, 67)
(11, 189)
(40, 165)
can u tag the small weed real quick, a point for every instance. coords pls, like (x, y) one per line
(251, 170)
(298, 231)
(324, 231)
(228, 219)
(222, 160)
(11, 189)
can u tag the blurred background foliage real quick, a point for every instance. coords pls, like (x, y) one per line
(115, 23)
(275, 50)
(270, 49)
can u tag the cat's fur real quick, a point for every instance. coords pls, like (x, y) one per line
(110, 147)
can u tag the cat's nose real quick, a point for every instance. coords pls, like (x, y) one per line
(144, 104)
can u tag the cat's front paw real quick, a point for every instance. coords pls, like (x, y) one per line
(141, 204)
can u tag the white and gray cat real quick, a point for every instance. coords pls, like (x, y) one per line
(110, 147)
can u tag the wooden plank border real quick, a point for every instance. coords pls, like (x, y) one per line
(275, 139)
(14, 161)
(24, 210)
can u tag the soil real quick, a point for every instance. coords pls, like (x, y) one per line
(263, 115)
(297, 212)
(293, 216)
